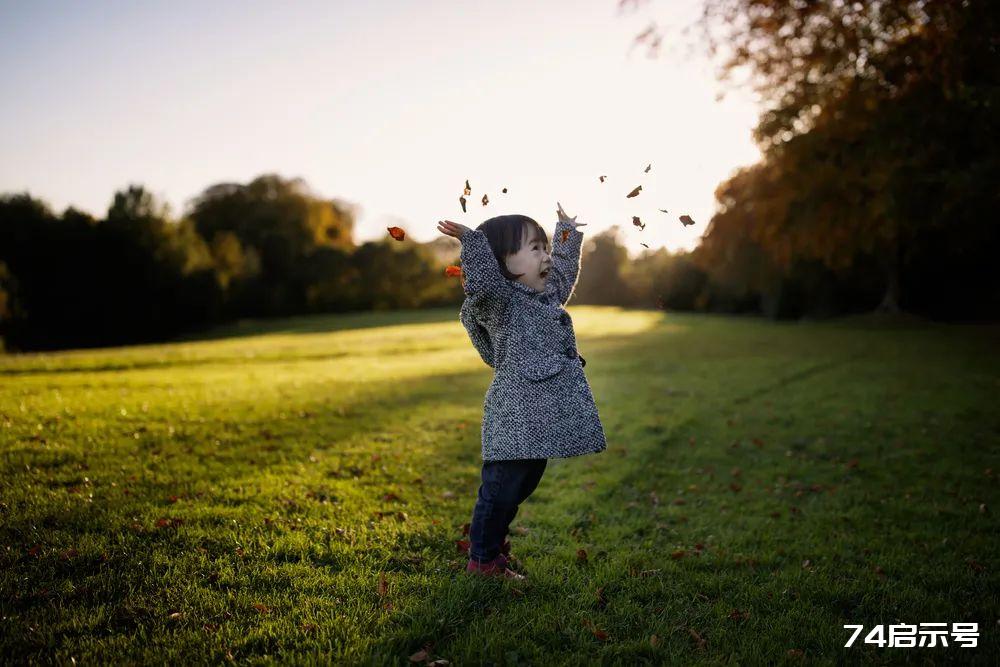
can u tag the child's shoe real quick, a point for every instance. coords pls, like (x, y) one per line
(494, 568)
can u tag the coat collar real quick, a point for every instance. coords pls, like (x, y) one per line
(547, 297)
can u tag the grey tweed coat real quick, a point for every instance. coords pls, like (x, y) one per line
(539, 404)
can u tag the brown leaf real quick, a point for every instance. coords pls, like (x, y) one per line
(262, 608)
(461, 200)
(581, 556)
(383, 585)
(565, 235)
(602, 178)
(465, 528)
(679, 553)
(637, 222)
(648, 166)
(644, 246)
(686, 220)
(698, 638)
(486, 200)
(463, 545)
(635, 192)
(504, 190)
(419, 656)
(654, 640)
(468, 189)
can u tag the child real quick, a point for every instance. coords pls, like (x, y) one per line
(539, 405)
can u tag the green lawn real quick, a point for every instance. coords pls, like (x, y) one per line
(244, 496)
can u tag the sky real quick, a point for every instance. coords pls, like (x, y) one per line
(385, 104)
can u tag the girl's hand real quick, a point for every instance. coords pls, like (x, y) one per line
(565, 218)
(452, 228)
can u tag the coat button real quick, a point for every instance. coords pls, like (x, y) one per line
(564, 318)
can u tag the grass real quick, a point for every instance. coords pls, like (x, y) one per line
(293, 491)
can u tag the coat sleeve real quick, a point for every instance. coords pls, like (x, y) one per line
(565, 260)
(480, 269)
(475, 322)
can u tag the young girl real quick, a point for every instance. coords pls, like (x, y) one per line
(539, 405)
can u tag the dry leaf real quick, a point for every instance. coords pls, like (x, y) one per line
(635, 192)
(263, 609)
(453, 271)
(397, 233)
(383, 585)
(602, 178)
(647, 168)
(462, 202)
(486, 200)
(468, 189)
(637, 222)
(565, 235)
(504, 190)
(686, 220)
(581, 556)
(643, 245)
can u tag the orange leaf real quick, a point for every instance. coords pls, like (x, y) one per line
(397, 233)
(565, 235)
(453, 271)
(263, 609)
(468, 190)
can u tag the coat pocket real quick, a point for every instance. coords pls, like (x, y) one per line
(539, 365)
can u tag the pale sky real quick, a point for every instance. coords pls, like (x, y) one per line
(389, 105)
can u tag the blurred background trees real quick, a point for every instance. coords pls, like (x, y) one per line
(877, 190)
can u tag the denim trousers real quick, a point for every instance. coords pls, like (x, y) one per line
(505, 485)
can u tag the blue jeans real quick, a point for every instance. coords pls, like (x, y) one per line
(505, 485)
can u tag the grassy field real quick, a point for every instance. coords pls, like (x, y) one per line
(294, 491)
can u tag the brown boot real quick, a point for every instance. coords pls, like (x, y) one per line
(494, 568)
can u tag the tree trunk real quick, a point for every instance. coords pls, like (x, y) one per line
(890, 300)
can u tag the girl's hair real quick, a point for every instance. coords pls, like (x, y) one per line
(505, 233)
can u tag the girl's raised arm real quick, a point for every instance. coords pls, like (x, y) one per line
(566, 245)
(480, 269)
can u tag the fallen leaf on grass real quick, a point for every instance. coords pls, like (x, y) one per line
(262, 608)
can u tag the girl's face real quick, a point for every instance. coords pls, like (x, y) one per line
(532, 260)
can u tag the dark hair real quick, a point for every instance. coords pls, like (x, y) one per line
(504, 234)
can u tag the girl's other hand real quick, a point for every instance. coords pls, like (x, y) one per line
(565, 218)
(452, 228)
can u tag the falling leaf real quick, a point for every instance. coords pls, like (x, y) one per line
(565, 235)
(453, 271)
(647, 168)
(602, 178)
(664, 210)
(468, 189)
(462, 201)
(504, 190)
(637, 222)
(397, 233)
(486, 200)
(686, 220)
(643, 245)
(635, 192)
